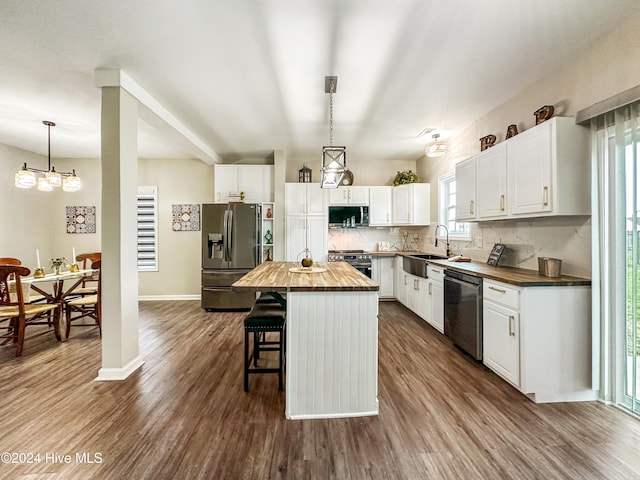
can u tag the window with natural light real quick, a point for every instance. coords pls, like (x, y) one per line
(447, 207)
(147, 229)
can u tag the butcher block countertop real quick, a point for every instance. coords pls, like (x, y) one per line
(520, 277)
(276, 277)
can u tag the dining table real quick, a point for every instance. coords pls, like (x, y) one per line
(62, 286)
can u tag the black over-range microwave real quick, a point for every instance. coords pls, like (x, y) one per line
(343, 216)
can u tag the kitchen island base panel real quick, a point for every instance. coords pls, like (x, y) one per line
(332, 354)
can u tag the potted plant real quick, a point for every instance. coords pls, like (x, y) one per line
(406, 176)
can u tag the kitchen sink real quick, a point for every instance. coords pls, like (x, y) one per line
(416, 264)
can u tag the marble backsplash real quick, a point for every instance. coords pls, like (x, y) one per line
(566, 238)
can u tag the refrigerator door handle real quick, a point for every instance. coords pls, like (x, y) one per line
(230, 235)
(225, 239)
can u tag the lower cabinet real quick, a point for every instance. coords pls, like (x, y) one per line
(501, 341)
(436, 297)
(538, 338)
(383, 273)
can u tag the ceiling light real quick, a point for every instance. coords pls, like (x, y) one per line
(334, 159)
(437, 148)
(47, 179)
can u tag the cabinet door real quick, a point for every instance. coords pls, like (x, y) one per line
(529, 171)
(401, 205)
(404, 286)
(257, 183)
(466, 189)
(358, 195)
(412, 292)
(436, 293)
(379, 206)
(385, 277)
(296, 236)
(501, 341)
(423, 304)
(296, 198)
(316, 200)
(398, 279)
(338, 196)
(491, 172)
(317, 237)
(225, 180)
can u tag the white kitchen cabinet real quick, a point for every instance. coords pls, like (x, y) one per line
(491, 178)
(382, 272)
(501, 331)
(398, 281)
(305, 199)
(436, 297)
(548, 170)
(380, 206)
(466, 189)
(349, 196)
(411, 204)
(303, 231)
(539, 339)
(256, 181)
(423, 301)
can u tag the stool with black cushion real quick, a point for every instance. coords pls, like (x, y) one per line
(272, 298)
(263, 319)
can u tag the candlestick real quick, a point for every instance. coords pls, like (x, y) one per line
(73, 258)
(38, 258)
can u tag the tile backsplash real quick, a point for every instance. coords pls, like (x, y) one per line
(566, 238)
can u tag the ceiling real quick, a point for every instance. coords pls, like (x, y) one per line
(247, 76)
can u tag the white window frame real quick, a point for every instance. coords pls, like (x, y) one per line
(463, 229)
(147, 229)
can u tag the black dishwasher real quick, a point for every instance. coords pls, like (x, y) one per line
(463, 311)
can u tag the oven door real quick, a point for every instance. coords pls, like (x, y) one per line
(365, 269)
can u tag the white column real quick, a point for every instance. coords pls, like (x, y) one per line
(120, 349)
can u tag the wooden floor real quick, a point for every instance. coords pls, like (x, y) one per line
(184, 415)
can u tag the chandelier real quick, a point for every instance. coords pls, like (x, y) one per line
(46, 180)
(437, 148)
(334, 159)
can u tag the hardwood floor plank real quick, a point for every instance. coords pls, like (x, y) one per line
(184, 414)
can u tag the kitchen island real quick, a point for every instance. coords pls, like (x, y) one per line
(331, 337)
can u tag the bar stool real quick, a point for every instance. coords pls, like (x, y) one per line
(264, 318)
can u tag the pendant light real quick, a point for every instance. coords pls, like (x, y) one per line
(437, 148)
(47, 179)
(334, 159)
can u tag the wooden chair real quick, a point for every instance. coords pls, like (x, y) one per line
(90, 285)
(86, 306)
(26, 292)
(15, 315)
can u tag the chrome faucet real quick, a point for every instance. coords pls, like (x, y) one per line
(447, 241)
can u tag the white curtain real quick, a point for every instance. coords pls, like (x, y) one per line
(614, 178)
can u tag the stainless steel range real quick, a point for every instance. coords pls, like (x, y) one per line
(358, 259)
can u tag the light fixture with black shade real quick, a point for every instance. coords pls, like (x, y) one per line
(334, 159)
(437, 148)
(47, 179)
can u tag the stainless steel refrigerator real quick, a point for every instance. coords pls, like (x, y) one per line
(230, 248)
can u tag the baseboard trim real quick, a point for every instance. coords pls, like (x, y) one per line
(110, 374)
(154, 298)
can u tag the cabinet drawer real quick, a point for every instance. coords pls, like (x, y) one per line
(435, 273)
(501, 293)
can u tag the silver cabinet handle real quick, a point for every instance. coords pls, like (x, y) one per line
(512, 332)
(502, 203)
(497, 289)
(435, 270)
(405, 279)
(430, 285)
(545, 195)
(471, 207)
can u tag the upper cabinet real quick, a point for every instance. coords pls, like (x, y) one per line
(542, 171)
(548, 170)
(466, 190)
(380, 206)
(411, 204)
(305, 199)
(491, 175)
(349, 196)
(256, 181)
